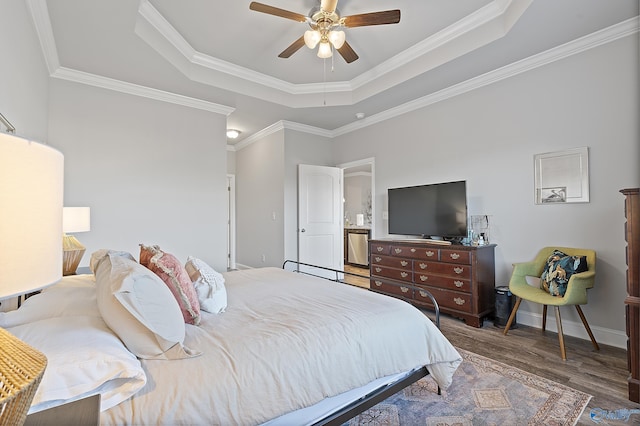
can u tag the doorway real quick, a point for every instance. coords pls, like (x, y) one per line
(359, 205)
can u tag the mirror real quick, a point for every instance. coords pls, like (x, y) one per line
(562, 177)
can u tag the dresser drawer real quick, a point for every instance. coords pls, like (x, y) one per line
(446, 299)
(415, 252)
(380, 248)
(393, 262)
(396, 274)
(391, 288)
(441, 281)
(448, 269)
(455, 256)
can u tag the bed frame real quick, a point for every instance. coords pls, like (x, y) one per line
(341, 416)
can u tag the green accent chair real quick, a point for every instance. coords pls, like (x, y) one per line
(575, 295)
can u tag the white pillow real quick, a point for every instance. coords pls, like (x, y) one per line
(71, 296)
(209, 285)
(84, 358)
(138, 307)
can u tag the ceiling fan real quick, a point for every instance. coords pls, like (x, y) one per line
(325, 22)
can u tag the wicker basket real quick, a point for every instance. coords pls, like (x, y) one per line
(21, 370)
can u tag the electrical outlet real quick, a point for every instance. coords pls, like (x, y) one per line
(264, 258)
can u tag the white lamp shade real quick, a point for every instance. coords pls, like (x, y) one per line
(31, 193)
(312, 38)
(324, 51)
(337, 38)
(76, 219)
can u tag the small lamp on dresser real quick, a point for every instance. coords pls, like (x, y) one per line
(31, 188)
(74, 219)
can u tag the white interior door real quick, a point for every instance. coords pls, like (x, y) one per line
(320, 239)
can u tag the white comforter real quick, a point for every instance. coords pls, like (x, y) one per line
(286, 341)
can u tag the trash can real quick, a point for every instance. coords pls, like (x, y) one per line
(504, 306)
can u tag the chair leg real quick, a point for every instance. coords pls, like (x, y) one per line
(544, 317)
(586, 325)
(512, 316)
(563, 352)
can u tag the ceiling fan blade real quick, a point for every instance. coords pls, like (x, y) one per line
(373, 18)
(265, 8)
(293, 48)
(348, 53)
(329, 6)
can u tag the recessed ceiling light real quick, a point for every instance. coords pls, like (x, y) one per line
(359, 115)
(233, 134)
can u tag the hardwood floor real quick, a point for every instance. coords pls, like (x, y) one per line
(602, 374)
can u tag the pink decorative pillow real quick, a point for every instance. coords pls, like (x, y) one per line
(175, 276)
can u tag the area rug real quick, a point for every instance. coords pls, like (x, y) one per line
(483, 392)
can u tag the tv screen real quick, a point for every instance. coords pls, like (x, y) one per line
(429, 211)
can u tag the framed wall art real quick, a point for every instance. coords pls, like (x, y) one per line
(562, 177)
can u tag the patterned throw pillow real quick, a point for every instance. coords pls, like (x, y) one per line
(175, 276)
(558, 270)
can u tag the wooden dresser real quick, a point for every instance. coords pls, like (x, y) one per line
(632, 301)
(461, 278)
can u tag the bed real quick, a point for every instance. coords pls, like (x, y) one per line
(288, 349)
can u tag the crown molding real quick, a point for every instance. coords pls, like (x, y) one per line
(137, 90)
(590, 41)
(282, 125)
(481, 27)
(40, 15)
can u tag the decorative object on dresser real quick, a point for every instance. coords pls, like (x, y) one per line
(461, 278)
(74, 219)
(632, 301)
(31, 191)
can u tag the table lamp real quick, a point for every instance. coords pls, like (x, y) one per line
(74, 219)
(31, 191)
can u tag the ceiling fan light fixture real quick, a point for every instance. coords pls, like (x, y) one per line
(312, 38)
(337, 38)
(324, 51)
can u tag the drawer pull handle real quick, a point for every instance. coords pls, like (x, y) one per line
(459, 301)
(423, 266)
(458, 283)
(430, 253)
(378, 258)
(404, 289)
(404, 263)
(413, 250)
(378, 283)
(398, 250)
(423, 293)
(454, 255)
(379, 248)
(458, 270)
(403, 274)
(378, 269)
(423, 278)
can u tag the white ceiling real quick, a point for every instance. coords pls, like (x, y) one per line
(221, 56)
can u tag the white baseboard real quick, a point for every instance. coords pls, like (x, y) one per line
(605, 336)
(240, 266)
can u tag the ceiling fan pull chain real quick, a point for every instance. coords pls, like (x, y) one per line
(324, 81)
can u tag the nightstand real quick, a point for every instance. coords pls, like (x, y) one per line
(84, 411)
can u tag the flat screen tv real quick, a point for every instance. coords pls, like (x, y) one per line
(429, 211)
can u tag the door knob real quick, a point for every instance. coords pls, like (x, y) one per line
(303, 230)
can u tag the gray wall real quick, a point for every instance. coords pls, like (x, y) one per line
(24, 78)
(260, 199)
(146, 181)
(267, 193)
(489, 137)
